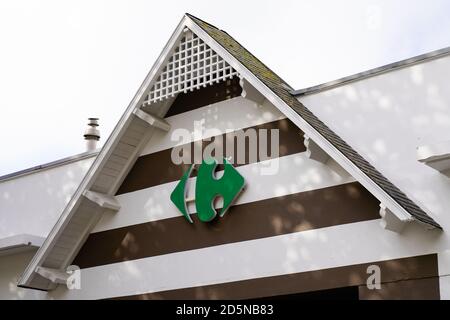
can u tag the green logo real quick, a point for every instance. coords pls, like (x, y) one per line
(207, 189)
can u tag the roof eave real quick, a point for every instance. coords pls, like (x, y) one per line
(432, 55)
(18, 243)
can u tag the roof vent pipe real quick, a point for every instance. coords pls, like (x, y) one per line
(92, 134)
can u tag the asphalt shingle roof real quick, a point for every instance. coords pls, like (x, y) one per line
(282, 90)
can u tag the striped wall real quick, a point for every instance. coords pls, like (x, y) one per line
(303, 229)
(407, 278)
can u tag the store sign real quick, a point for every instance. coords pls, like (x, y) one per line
(207, 189)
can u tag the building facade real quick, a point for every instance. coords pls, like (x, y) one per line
(335, 191)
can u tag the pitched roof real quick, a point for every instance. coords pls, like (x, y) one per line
(282, 90)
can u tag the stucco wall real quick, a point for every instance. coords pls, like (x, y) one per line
(385, 118)
(11, 267)
(32, 203)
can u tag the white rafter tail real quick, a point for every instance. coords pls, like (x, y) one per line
(54, 275)
(436, 156)
(152, 120)
(390, 221)
(313, 150)
(250, 93)
(103, 200)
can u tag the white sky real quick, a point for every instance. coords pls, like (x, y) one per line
(64, 61)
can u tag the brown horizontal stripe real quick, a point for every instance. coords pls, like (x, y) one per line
(344, 293)
(415, 289)
(157, 168)
(292, 213)
(214, 93)
(354, 275)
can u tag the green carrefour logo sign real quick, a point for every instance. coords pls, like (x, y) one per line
(207, 189)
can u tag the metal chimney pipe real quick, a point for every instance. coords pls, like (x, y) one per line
(92, 134)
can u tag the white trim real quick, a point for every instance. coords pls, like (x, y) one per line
(103, 200)
(444, 263)
(436, 54)
(55, 276)
(132, 159)
(444, 287)
(436, 156)
(249, 92)
(152, 120)
(49, 165)
(13, 244)
(444, 273)
(314, 151)
(389, 221)
(216, 117)
(192, 65)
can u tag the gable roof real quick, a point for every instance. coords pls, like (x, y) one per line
(95, 195)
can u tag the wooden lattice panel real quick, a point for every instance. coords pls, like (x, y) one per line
(192, 65)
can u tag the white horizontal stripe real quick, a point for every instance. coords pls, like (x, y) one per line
(336, 246)
(444, 263)
(237, 113)
(297, 173)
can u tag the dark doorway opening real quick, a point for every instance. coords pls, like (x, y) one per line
(345, 293)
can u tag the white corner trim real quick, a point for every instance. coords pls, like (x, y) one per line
(103, 200)
(436, 156)
(152, 120)
(390, 221)
(54, 275)
(444, 263)
(313, 151)
(249, 92)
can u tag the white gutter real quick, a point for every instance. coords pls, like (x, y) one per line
(20, 242)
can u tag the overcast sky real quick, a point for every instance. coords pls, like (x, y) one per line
(64, 61)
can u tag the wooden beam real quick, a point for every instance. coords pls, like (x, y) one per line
(250, 93)
(436, 156)
(314, 151)
(390, 221)
(54, 275)
(103, 200)
(152, 120)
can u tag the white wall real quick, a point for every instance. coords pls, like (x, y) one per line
(32, 203)
(385, 118)
(11, 267)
